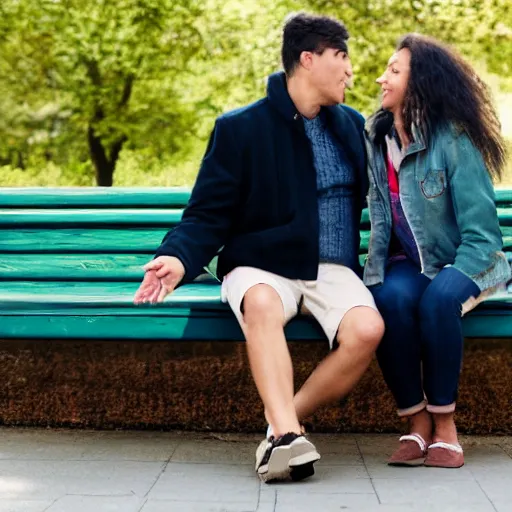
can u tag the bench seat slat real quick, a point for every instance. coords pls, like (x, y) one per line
(115, 294)
(72, 294)
(219, 327)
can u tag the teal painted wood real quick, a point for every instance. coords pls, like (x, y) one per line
(80, 240)
(70, 267)
(112, 217)
(53, 296)
(142, 311)
(129, 217)
(98, 262)
(79, 267)
(504, 195)
(505, 216)
(214, 328)
(33, 294)
(164, 197)
(71, 240)
(96, 197)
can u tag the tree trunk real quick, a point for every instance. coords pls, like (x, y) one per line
(104, 163)
(104, 160)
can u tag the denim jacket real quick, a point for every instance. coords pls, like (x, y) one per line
(448, 200)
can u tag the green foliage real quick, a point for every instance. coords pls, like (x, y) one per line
(87, 86)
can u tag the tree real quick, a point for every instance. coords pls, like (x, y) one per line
(97, 62)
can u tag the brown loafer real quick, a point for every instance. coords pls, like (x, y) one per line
(444, 455)
(412, 451)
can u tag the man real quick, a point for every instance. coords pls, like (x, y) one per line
(281, 189)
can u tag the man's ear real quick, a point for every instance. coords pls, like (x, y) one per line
(306, 59)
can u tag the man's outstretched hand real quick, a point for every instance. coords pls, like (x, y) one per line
(162, 275)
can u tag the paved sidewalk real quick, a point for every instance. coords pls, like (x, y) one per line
(83, 471)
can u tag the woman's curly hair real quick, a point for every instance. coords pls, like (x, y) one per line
(443, 88)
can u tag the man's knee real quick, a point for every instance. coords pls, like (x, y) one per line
(362, 328)
(262, 305)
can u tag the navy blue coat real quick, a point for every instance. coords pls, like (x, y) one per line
(255, 195)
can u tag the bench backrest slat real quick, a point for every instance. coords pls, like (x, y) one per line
(107, 234)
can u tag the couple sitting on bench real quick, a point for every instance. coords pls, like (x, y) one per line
(281, 189)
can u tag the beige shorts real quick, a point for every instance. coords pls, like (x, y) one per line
(336, 290)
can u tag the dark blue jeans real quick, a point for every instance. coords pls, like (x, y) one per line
(421, 352)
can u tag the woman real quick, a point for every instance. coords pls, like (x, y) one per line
(436, 248)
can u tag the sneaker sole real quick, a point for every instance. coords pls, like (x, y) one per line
(303, 453)
(278, 467)
(294, 461)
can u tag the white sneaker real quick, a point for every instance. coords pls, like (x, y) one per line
(290, 456)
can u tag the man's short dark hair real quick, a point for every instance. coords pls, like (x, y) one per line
(309, 33)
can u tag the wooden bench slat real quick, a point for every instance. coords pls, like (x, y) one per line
(136, 240)
(96, 197)
(191, 326)
(143, 197)
(79, 267)
(91, 217)
(82, 240)
(129, 217)
(52, 267)
(66, 294)
(114, 294)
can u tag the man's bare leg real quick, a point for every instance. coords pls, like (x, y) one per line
(358, 336)
(269, 357)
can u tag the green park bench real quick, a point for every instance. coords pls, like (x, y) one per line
(71, 260)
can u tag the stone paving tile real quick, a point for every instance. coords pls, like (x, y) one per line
(430, 493)
(86, 471)
(211, 483)
(420, 507)
(497, 487)
(188, 506)
(327, 480)
(376, 449)
(342, 451)
(301, 502)
(505, 444)
(110, 446)
(217, 452)
(53, 479)
(97, 504)
(488, 461)
(383, 471)
(24, 505)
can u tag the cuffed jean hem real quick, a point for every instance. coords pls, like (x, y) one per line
(412, 410)
(441, 409)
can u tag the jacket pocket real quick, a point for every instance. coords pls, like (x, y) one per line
(434, 183)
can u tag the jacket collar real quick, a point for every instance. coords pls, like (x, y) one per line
(379, 125)
(279, 98)
(338, 120)
(277, 93)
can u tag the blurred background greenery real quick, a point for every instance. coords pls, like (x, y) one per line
(125, 92)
